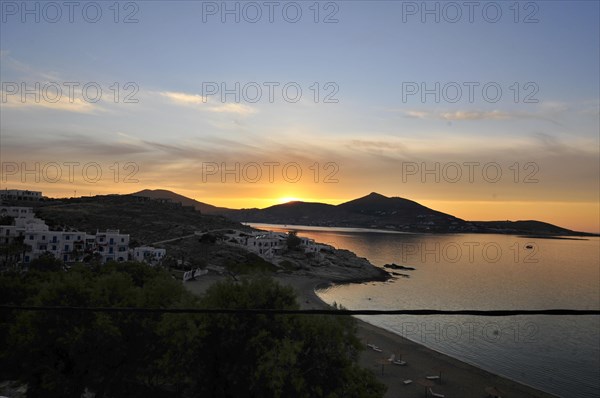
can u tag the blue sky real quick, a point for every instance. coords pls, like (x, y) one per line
(367, 57)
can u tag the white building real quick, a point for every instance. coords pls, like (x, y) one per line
(69, 246)
(267, 244)
(270, 244)
(19, 194)
(24, 220)
(16, 212)
(148, 254)
(64, 245)
(112, 245)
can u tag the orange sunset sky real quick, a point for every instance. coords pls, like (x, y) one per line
(485, 120)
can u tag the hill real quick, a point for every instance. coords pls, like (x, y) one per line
(371, 211)
(394, 213)
(145, 220)
(527, 227)
(204, 208)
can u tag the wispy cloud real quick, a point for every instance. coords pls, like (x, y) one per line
(62, 104)
(183, 98)
(203, 104)
(471, 115)
(239, 109)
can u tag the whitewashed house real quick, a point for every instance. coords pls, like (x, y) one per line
(24, 220)
(148, 254)
(112, 245)
(269, 244)
(63, 245)
(20, 194)
(70, 246)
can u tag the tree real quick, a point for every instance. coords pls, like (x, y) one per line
(59, 354)
(46, 262)
(7, 220)
(138, 354)
(276, 355)
(293, 241)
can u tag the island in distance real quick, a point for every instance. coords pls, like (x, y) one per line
(371, 211)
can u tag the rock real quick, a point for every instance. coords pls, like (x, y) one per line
(396, 266)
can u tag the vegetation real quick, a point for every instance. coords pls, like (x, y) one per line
(147, 221)
(7, 220)
(133, 354)
(293, 241)
(11, 253)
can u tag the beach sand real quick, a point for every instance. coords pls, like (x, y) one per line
(458, 379)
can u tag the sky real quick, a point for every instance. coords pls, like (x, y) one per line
(484, 110)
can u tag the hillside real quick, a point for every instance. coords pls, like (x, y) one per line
(145, 220)
(395, 213)
(371, 211)
(148, 218)
(204, 208)
(527, 227)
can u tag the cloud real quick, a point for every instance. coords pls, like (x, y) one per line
(63, 103)
(378, 145)
(239, 109)
(475, 115)
(202, 103)
(417, 114)
(183, 98)
(470, 115)
(459, 115)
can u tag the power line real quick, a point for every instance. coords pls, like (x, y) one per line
(263, 311)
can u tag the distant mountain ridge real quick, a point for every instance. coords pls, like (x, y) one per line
(370, 211)
(184, 200)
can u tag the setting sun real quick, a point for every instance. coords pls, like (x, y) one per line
(288, 199)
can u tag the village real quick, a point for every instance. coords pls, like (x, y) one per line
(31, 237)
(21, 228)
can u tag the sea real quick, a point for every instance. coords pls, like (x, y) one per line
(557, 354)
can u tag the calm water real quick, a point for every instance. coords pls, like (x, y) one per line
(558, 354)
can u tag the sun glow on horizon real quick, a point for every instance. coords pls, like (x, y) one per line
(287, 199)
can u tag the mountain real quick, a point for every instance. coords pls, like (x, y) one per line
(527, 227)
(147, 221)
(371, 211)
(204, 208)
(396, 210)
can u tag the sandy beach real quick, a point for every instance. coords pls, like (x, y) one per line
(458, 379)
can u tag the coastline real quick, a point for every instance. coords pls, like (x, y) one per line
(458, 378)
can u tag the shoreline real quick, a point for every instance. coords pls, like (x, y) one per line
(458, 378)
(574, 235)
